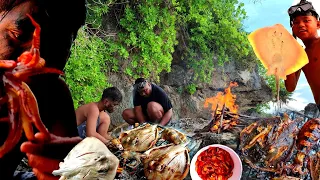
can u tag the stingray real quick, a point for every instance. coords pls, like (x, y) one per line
(279, 52)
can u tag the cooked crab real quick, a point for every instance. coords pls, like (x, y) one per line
(315, 166)
(174, 136)
(309, 134)
(308, 137)
(139, 139)
(90, 159)
(286, 178)
(268, 143)
(166, 162)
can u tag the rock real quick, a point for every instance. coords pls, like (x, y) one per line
(311, 110)
(225, 138)
(177, 77)
(251, 90)
(189, 125)
(23, 166)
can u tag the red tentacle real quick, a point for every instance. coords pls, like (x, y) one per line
(30, 111)
(8, 64)
(36, 33)
(15, 125)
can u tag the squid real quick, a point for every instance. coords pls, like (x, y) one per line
(23, 111)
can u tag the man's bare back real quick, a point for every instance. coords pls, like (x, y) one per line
(93, 121)
(83, 111)
(312, 69)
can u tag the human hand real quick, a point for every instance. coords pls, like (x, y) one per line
(45, 156)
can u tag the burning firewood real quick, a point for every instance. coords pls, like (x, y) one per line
(224, 121)
(222, 105)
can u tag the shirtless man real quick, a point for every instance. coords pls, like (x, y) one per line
(92, 120)
(304, 21)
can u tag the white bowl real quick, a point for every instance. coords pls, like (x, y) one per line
(237, 170)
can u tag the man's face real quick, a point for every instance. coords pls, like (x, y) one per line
(110, 105)
(305, 27)
(146, 91)
(16, 30)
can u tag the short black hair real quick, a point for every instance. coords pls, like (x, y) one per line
(139, 80)
(113, 94)
(139, 84)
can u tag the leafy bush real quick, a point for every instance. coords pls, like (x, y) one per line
(212, 29)
(85, 69)
(191, 88)
(149, 30)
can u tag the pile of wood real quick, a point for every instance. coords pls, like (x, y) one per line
(225, 121)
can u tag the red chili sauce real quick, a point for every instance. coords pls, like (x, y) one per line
(214, 164)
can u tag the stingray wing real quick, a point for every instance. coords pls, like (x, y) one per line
(275, 47)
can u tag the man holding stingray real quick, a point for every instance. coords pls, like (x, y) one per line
(304, 21)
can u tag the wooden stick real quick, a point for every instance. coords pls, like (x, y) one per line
(213, 118)
(221, 118)
(211, 123)
(235, 114)
(215, 113)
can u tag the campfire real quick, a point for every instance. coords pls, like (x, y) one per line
(271, 148)
(224, 110)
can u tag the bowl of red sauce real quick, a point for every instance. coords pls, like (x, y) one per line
(216, 162)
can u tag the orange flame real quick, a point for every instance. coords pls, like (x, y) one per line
(227, 98)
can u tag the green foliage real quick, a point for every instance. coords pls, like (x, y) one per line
(95, 10)
(149, 30)
(191, 88)
(180, 90)
(146, 42)
(213, 29)
(261, 108)
(85, 73)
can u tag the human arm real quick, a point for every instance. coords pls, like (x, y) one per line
(138, 108)
(292, 81)
(165, 102)
(166, 117)
(104, 125)
(44, 157)
(139, 114)
(91, 127)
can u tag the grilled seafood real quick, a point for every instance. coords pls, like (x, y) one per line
(286, 178)
(214, 163)
(315, 166)
(166, 162)
(174, 136)
(139, 139)
(268, 143)
(308, 137)
(309, 134)
(90, 159)
(23, 110)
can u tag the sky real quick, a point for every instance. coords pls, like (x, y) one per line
(270, 12)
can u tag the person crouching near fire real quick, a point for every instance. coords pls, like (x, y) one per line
(151, 104)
